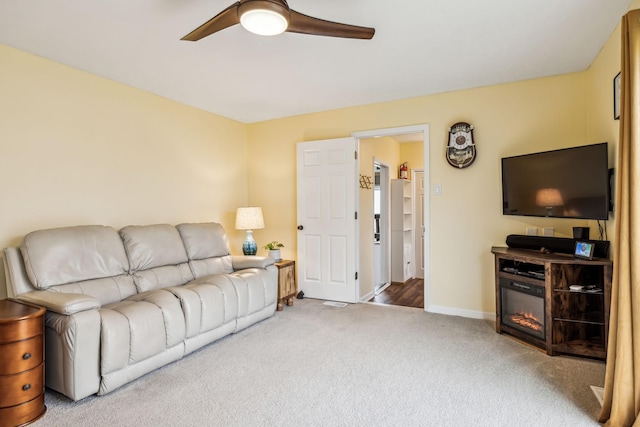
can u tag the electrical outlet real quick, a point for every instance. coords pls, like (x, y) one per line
(532, 231)
(548, 231)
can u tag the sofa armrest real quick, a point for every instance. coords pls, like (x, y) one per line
(244, 262)
(61, 303)
(15, 274)
(72, 348)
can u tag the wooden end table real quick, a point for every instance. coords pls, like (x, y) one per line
(287, 285)
(21, 363)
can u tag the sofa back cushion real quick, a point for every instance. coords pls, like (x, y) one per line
(207, 248)
(88, 259)
(157, 257)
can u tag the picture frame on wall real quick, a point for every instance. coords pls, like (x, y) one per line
(616, 97)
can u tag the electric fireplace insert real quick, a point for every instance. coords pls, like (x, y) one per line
(523, 307)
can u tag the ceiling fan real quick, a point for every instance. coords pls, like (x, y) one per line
(271, 17)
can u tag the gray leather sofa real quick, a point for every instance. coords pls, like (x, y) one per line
(121, 304)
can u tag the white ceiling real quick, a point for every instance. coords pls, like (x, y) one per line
(421, 47)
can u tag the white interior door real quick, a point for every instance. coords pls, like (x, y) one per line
(326, 174)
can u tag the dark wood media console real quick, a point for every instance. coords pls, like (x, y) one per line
(567, 300)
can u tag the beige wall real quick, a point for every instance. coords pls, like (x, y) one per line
(413, 154)
(600, 123)
(79, 149)
(466, 220)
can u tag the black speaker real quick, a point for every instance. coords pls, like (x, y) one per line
(581, 233)
(555, 244)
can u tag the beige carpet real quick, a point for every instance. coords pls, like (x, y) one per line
(361, 365)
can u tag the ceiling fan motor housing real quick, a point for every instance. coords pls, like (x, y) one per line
(278, 6)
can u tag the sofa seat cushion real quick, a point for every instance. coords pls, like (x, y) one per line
(157, 256)
(254, 290)
(207, 303)
(207, 248)
(138, 328)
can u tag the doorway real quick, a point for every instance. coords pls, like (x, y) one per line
(366, 265)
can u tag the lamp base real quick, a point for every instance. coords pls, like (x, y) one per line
(249, 247)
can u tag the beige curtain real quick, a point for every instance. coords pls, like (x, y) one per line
(622, 382)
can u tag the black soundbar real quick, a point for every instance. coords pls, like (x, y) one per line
(556, 244)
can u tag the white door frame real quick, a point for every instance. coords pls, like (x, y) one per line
(424, 129)
(385, 224)
(416, 220)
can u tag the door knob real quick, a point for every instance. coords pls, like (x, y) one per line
(300, 227)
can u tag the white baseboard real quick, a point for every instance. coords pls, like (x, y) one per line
(382, 288)
(451, 311)
(367, 297)
(599, 392)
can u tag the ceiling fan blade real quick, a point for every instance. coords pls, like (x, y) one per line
(224, 19)
(303, 24)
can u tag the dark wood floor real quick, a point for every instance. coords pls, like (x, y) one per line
(410, 294)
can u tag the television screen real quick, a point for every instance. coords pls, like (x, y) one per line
(566, 183)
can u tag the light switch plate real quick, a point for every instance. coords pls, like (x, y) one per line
(532, 231)
(548, 231)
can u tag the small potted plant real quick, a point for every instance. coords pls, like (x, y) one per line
(274, 249)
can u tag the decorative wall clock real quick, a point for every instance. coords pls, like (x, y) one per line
(461, 149)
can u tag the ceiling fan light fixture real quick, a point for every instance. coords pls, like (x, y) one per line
(264, 22)
(271, 17)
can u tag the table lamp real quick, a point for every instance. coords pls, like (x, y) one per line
(249, 218)
(549, 198)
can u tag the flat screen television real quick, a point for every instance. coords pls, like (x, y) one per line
(566, 183)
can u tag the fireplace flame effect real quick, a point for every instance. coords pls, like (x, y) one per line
(526, 319)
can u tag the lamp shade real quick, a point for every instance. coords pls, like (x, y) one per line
(249, 218)
(549, 197)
